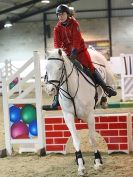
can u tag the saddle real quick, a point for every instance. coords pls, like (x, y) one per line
(83, 69)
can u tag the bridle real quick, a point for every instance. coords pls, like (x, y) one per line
(56, 83)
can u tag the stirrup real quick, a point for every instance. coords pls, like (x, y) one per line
(50, 108)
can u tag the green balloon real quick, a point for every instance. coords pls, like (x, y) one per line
(11, 85)
(28, 113)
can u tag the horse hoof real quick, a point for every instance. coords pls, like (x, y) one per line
(81, 172)
(98, 166)
(104, 105)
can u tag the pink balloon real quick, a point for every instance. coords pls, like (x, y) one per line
(19, 129)
(15, 81)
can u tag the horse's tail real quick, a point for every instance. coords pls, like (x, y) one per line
(97, 57)
(110, 78)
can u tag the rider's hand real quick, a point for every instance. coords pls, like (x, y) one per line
(73, 54)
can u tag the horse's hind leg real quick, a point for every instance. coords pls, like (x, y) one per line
(97, 156)
(69, 120)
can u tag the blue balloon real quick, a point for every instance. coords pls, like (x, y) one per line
(15, 115)
(33, 128)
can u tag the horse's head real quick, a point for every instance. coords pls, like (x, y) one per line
(54, 71)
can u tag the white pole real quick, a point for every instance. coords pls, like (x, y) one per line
(6, 117)
(38, 95)
(0, 81)
(129, 132)
(6, 68)
(0, 74)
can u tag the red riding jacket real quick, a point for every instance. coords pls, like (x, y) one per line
(69, 37)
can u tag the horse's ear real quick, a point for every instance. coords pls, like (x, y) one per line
(60, 52)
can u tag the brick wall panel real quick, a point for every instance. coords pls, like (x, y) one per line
(66, 134)
(54, 134)
(54, 148)
(109, 132)
(97, 119)
(109, 119)
(123, 146)
(60, 140)
(81, 126)
(122, 132)
(112, 128)
(101, 126)
(48, 127)
(49, 141)
(113, 146)
(117, 126)
(118, 139)
(106, 139)
(122, 118)
(53, 120)
(60, 127)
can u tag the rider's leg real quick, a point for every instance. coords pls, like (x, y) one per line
(55, 103)
(95, 76)
(98, 79)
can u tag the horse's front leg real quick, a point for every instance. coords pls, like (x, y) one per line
(104, 102)
(97, 156)
(69, 120)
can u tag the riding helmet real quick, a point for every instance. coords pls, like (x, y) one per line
(62, 8)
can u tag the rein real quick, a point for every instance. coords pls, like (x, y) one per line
(94, 85)
(61, 81)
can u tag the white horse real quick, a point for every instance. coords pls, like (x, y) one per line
(76, 96)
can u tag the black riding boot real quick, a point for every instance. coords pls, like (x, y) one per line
(54, 105)
(96, 77)
(99, 80)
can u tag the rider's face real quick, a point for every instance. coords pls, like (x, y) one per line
(62, 17)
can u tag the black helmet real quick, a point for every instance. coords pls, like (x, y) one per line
(62, 8)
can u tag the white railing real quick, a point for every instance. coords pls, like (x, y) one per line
(127, 77)
(33, 67)
(8, 70)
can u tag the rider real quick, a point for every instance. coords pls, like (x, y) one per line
(68, 37)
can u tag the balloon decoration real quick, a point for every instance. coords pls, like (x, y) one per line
(28, 113)
(23, 121)
(33, 128)
(19, 105)
(13, 83)
(14, 114)
(18, 129)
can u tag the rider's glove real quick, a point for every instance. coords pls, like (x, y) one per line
(73, 54)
